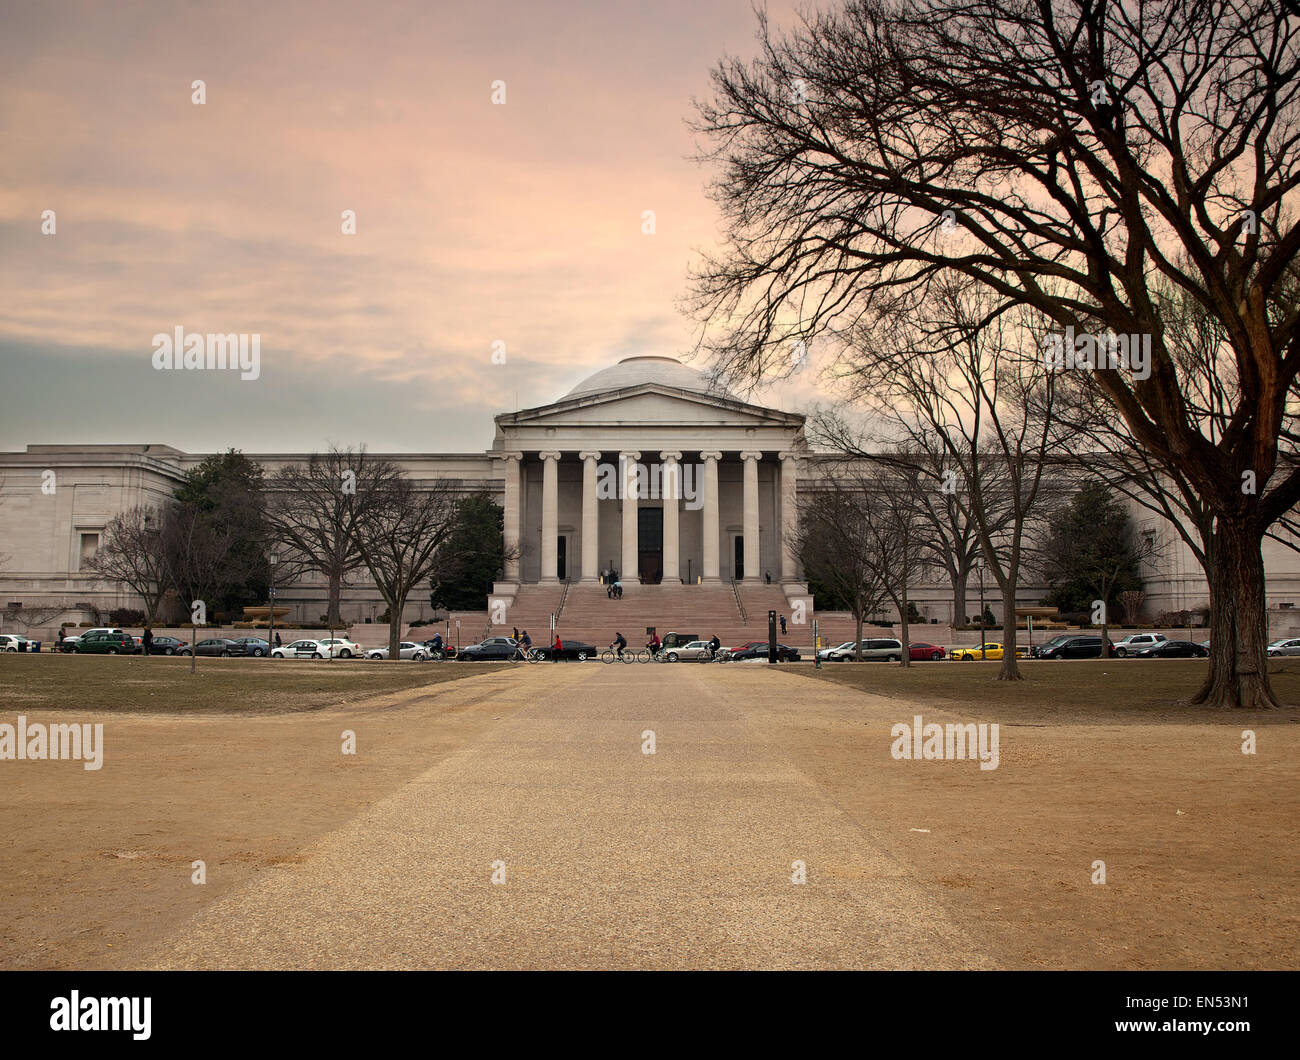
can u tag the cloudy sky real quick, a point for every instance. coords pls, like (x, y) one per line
(475, 222)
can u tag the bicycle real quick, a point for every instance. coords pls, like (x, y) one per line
(609, 655)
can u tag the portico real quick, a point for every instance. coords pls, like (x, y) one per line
(647, 468)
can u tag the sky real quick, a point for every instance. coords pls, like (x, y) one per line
(477, 223)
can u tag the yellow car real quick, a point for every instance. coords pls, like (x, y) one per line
(992, 650)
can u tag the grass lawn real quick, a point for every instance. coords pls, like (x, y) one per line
(1086, 690)
(163, 685)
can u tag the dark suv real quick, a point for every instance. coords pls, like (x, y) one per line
(106, 644)
(1071, 648)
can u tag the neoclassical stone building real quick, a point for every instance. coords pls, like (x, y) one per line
(689, 492)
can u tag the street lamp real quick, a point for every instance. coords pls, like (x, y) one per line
(983, 653)
(270, 642)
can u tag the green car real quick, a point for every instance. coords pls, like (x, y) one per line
(106, 644)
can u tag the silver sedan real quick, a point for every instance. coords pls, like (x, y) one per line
(694, 651)
(405, 650)
(1288, 646)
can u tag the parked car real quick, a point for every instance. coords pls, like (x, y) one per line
(1040, 651)
(577, 650)
(254, 646)
(758, 650)
(731, 653)
(165, 646)
(692, 651)
(102, 642)
(676, 640)
(1286, 646)
(1172, 649)
(1073, 648)
(873, 650)
(926, 651)
(10, 642)
(301, 649)
(992, 650)
(223, 646)
(405, 650)
(70, 642)
(487, 650)
(342, 648)
(1137, 642)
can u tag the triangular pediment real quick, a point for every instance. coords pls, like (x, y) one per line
(650, 404)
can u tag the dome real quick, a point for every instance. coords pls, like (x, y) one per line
(633, 371)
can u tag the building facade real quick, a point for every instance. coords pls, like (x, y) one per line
(645, 468)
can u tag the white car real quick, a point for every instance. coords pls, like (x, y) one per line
(1286, 646)
(67, 642)
(302, 649)
(1136, 642)
(10, 642)
(405, 650)
(831, 654)
(342, 648)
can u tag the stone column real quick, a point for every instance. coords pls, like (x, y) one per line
(671, 490)
(512, 515)
(751, 459)
(550, 514)
(712, 572)
(789, 517)
(628, 487)
(590, 517)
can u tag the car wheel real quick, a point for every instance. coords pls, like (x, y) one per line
(966, 658)
(257, 653)
(935, 656)
(169, 651)
(582, 656)
(1121, 653)
(891, 658)
(226, 654)
(672, 656)
(345, 654)
(315, 655)
(112, 651)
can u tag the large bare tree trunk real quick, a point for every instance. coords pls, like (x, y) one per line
(1010, 668)
(336, 591)
(857, 643)
(906, 638)
(959, 597)
(1238, 675)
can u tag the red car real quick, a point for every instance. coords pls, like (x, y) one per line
(926, 651)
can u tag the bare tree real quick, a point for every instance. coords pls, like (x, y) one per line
(312, 512)
(1060, 154)
(132, 553)
(401, 527)
(1131, 601)
(838, 550)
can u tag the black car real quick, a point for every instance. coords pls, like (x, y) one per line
(1071, 648)
(219, 646)
(254, 646)
(492, 648)
(1173, 649)
(784, 653)
(570, 649)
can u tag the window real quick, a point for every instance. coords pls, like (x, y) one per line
(89, 546)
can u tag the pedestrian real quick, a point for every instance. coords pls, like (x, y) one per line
(768, 575)
(146, 640)
(277, 640)
(609, 589)
(783, 625)
(516, 633)
(556, 648)
(61, 636)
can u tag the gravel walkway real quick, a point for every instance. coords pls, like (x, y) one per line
(613, 858)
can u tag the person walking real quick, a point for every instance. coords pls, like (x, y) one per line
(557, 648)
(516, 633)
(783, 625)
(61, 635)
(768, 575)
(146, 640)
(277, 640)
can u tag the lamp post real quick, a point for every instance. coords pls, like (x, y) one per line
(270, 636)
(983, 653)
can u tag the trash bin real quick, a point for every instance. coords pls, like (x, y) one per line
(36, 645)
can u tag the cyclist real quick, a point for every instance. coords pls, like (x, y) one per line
(523, 645)
(435, 645)
(619, 643)
(715, 645)
(655, 644)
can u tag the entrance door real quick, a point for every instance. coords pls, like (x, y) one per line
(562, 557)
(650, 544)
(739, 561)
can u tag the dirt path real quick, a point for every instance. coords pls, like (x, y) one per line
(612, 857)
